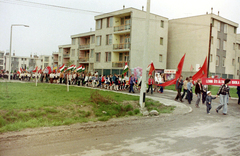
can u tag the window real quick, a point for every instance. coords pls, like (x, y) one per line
(120, 56)
(73, 41)
(238, 59)
(212, 39)
(212, 22)
(210, 57)
(108, 39)
(108, 57)
(225, 28)
(237, 72)
(233, 62)
(233, 46)
(46, 59)
(223, 61)
(217, 60)
(92, 39)
(239, 46)
(160, 57)
(161, 41)
(218, 26)
(224, 45)
(109, 22)
(162, 23)
(45, 65)
(73, 53)
(218, 43)
(235, 30)
(99, 24)
(99, 40)
(92, 52)
(98, 57)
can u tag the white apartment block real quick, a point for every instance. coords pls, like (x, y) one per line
(31, 62)
(191, 35)
(2, 60)
(237, 48)
(118, 38)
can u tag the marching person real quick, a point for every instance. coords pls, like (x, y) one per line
(150, 83)
(198, 92)
(238, 93)
(132, 82)
(209, 101)
(185, 87)
(179, 84)
(51, 77)
(204, 93)
(189, 90)
(223, 92)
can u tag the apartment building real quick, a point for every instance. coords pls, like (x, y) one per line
(237, 48)
(190, 35)
(2, 60)
(118, 38)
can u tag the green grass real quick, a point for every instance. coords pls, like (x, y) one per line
(23, 105)
(213, 89)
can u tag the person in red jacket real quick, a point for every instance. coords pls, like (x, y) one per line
(150, 83)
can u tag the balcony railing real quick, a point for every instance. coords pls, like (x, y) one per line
(86, 46)
(120, 64)
(121, 46)
(122, 27)
(83, 59)
(66, 55)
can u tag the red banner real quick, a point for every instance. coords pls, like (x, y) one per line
(212, 81)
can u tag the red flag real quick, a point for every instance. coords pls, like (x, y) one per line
(19, 71)
(202, 73)
(35, 70)
(178, 73)
(49, 69)
(40, 70)
(151, 68)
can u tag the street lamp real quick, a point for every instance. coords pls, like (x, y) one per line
(10, 61)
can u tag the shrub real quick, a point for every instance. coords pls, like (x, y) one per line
(130, 113)
(136, 111)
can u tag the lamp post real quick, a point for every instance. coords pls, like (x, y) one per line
(10, 61)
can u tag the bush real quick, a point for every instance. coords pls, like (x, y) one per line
(104, 118)
(130, 113)
(128, 107)
(97, 98)
(136, 111)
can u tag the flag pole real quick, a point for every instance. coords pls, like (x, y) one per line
(36, 78)
(67, 83)
(144, 72)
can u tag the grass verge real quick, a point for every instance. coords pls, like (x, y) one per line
(23, 105)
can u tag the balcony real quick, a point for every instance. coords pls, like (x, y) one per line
(55, 60)
(83, 59)
(122, 46)
(120, 64)
(66, 55)
(122, 27)
(85, 46)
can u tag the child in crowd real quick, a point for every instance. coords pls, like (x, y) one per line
(209, 101)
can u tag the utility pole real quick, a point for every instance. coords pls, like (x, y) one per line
(209, 50)
(145, 54)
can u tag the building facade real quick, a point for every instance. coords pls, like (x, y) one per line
(118, 38)
(2, 60)
(191, 35)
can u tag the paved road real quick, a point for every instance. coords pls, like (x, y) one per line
(179, 134)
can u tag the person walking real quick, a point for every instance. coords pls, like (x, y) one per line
(185, 88)
(189, 91)
(198, 92)
(209, 101)
(204, 94)
(150, 83)
(179, 84)
(223, 92)
(238, 93)
(132, 81)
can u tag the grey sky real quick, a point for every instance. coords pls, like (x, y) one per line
(50, 27)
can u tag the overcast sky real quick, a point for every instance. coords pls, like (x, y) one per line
(50, 27)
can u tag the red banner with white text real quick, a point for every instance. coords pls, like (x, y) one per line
(212, 81)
